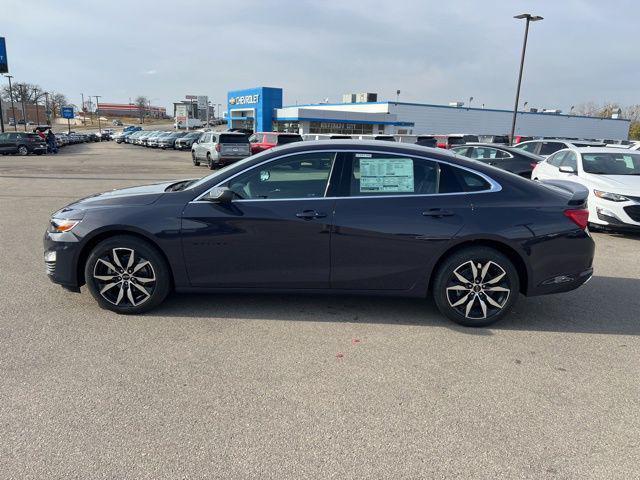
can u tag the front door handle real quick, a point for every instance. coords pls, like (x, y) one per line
(437, 213)
(310, 214)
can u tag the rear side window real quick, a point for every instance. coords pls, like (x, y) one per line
(387, 174)
(551, 147)
(529, 147)
(458, 180)
(270, 138)
(284, 139)
(225, 138)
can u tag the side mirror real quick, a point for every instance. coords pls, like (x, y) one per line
(567, 169)
(219, 195)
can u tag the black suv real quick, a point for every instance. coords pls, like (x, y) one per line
(22, 143)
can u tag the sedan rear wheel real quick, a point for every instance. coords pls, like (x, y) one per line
(210, 162)
(127, 275)
(476, 286)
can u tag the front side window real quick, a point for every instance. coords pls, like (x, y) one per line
(570, 160)
(295, 176)
(556, 160)
(528, 147)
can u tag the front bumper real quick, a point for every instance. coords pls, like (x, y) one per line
(61, 252)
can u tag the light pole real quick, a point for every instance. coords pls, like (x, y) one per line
(529, 18)
(571, 109)
(13, 108)
(98, 97)
(36, 97)
(470, 100)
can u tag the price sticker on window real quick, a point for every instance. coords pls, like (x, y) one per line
(386, 175)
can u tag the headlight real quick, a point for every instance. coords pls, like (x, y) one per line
(60, 225)
(614, 197)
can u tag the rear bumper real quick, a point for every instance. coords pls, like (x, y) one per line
(560, 262)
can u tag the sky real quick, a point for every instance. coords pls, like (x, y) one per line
(432, 51)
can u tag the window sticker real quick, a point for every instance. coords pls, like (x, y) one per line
(363, 155)
(386, 175)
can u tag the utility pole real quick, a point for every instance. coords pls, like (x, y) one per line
(46, 108)
(98, 97)
(529, 18)
(13, 108)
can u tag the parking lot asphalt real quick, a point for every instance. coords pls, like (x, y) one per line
(259, 386)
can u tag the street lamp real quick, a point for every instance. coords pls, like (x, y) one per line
(470, 100)
(529, 18)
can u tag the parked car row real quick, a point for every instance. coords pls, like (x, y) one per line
(150, 138)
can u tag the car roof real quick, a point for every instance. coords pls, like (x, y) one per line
(602, 150)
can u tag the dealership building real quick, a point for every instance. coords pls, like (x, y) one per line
(262, 109)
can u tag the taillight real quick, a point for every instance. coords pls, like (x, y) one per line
(580, 217)
(218, 147)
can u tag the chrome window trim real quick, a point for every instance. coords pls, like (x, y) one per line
(495, 186)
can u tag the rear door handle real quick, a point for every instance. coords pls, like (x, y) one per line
(310, 214)
(437, 213)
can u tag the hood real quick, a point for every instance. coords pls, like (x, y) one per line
(143, 195)
(623, 184)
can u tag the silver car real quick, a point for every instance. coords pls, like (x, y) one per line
(220, 148)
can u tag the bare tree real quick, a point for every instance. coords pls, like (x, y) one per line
(56, 102)
(23, 91)
(142, 104)
(588, 109)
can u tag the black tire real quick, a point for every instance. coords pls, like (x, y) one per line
(465, 305)
(129, 279)
(210, 162)
(23, 151)
(194, 159)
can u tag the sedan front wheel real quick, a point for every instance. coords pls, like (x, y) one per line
(127, 275)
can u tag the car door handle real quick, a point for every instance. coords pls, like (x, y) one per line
(437, 213)
(310, 214)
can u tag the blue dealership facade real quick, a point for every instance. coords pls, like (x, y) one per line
(261, 109)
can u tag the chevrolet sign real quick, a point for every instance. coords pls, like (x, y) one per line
(244, 99)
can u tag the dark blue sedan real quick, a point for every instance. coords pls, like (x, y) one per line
(339, 216)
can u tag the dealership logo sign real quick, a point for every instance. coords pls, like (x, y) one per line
(244, 99)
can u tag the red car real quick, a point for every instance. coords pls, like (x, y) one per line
(261, 141)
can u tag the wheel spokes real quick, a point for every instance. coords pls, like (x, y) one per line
(108, 264)
(482, 296)
(109, 286)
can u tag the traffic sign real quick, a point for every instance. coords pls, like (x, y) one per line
(68, 112)
(4, 65)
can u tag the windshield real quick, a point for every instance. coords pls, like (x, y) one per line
(192, 135)
(611, 163)
(222, 172)
(226, 138)
(283, 139)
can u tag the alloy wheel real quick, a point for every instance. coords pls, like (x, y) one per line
(124, 278)
(22, 150)
(478, 290)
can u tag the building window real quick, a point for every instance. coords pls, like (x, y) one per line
(341, 128)
(286, 127)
